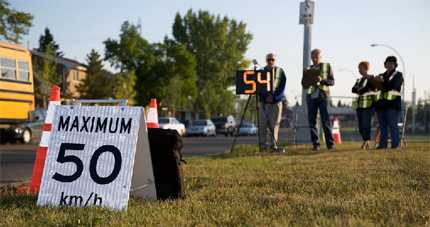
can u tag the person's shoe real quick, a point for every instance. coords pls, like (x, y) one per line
(330, 148)
(316, 148)
(279, 150)
(381, 148)
(394, 147)
(263, 147)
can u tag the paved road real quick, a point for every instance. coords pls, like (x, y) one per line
(17, 160)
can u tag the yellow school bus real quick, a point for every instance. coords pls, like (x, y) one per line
(16, 84)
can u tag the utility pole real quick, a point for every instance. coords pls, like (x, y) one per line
(425, 110)
(413, 105)
(306, 18)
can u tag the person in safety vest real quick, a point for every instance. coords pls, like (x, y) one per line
(388, 103)
(318, 97)
(364, 104)
(272, 105)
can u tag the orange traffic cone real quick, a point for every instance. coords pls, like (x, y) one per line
(335, 131)
(39, 163)
(377, 135)
(152, 119)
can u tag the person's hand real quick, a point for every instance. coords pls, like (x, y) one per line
(378, 78)
(270, 99)
(359, 89)
(317, 78)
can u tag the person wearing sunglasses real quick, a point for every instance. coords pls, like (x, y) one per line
(272, 105)
(318, 97)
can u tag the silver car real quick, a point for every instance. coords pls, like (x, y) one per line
(248, 129)
(201, 128)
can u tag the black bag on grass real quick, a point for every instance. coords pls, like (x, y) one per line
(165, 146)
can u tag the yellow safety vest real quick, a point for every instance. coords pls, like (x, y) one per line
(365, 100)
(324, 75)
(388, 95)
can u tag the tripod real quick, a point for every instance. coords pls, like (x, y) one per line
(258, 120)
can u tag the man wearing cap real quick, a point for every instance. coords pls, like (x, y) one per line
(318, 97)
(270, 107)
(388, 103)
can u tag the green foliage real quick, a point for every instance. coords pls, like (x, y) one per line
(13, 24)
(181, 85)
(96, 85)
(219, 45)
(45, 71)
(128, 53)
(341, 187)
(48, 40)
(163, 71)
(123, 84)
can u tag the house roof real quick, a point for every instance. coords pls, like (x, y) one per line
(68, 63)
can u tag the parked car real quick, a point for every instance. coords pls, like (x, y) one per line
(25, 132)
(171, 123)
(201, 128)
(248, 129)
(225, 125)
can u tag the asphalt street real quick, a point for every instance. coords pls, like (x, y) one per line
(17, 160)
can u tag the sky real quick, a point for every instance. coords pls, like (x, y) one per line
(342, 29)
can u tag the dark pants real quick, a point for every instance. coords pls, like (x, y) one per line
(324, 107)
(388, 118)
(365, 119)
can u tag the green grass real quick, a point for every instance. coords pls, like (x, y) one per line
(341, 187)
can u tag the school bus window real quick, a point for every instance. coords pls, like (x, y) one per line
(75, 75)
(23, 73)
(8, 68)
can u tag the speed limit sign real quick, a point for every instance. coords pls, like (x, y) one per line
(96, 156)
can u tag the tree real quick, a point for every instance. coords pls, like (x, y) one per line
(339, 104)
(123, 84)
(163, 71)
(48, 40)
(13, 24)
(180, 86)
(297, 103)
(96, 85)
(219, 45)
(46, 73)
(332, 104)
(130, 54)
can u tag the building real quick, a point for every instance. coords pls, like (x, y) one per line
(71, 71)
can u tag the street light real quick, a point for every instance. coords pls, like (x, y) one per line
(404, 71)
(350, 72)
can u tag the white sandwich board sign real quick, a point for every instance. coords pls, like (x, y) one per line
(96, 156)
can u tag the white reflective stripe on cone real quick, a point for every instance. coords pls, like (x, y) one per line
(152, 115)
(50, 111)
(44, 140)
(335, 131)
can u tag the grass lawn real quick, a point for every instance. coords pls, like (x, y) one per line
(341, 187)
